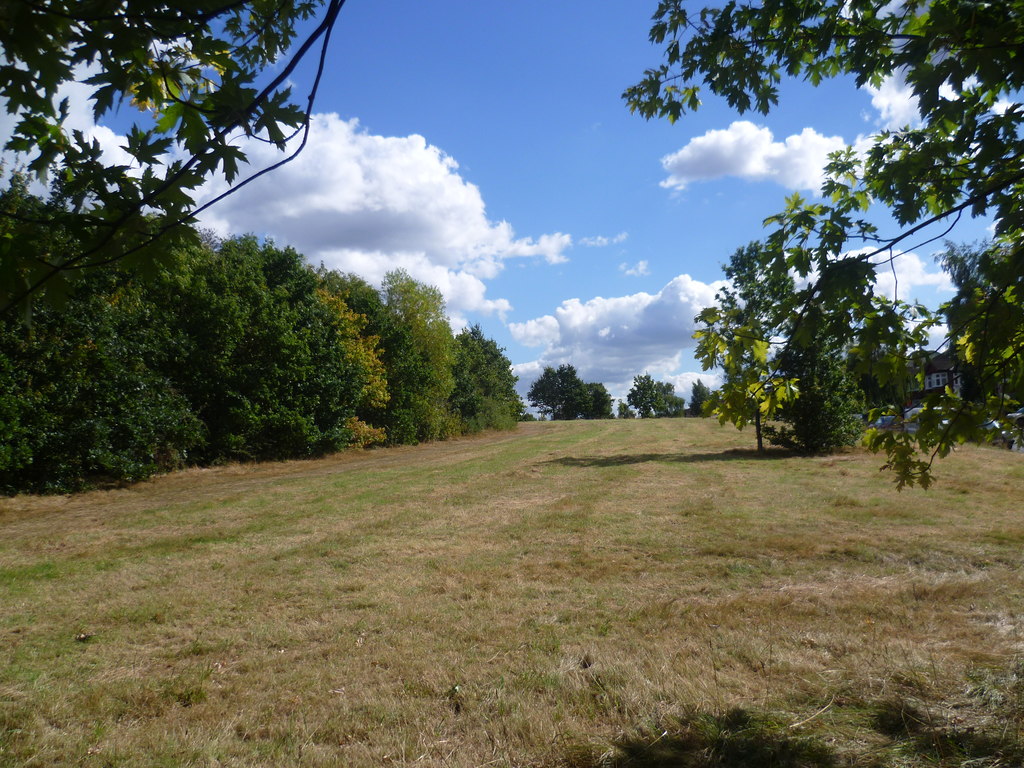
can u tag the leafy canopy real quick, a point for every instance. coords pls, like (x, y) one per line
(192, 70)
(961, 59)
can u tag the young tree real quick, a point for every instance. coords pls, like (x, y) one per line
(645, 396)
(826, 415)
(188, 71)
(960, 60)
(736, 336)
(623, 411)
(560, 393)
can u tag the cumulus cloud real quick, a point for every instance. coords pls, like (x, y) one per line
(368, 204)
(637, 270)
(895, 101)
(907, 273)
(608, 338)
(749, 151)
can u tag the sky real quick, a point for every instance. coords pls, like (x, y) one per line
(485, 148)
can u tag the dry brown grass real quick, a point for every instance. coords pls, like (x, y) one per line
(633, 593)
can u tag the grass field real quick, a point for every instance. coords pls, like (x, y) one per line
(642, 593)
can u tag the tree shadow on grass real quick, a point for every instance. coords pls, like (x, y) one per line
(737, 739)
(625, 459)
(915, 731)
(743, 738)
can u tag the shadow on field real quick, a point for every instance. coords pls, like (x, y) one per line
(736, 739)
(623, 459)
(744, 738)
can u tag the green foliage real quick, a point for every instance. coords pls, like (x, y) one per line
(827, 414)
(484, 395)
(600, 402)
(188, 71)
(273, 365)
(961, 158)
(79, 398)
(672, 405)
(560, 394)
(418, 351)
(808, 388)
(623, 411)
(699, 394)
(645, 396)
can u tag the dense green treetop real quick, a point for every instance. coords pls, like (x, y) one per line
(699, 394)
(560, 393)
(484, 393)
(645, 396)
(600, 406)
(962, 59)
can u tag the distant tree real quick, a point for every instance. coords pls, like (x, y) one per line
(699, 394)
(484, 395)
(600, 406)
(624, 411)
(672, 405)
(560, 393)
(645, 396)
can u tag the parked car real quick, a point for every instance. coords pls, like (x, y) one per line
(1016, 420)
(887, 422)
(1017, 417)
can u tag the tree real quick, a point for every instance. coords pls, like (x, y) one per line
(736, 336)
(484, 395)
(600, 402)
(826, 415)
(623, 411)
(672, 405)
(191, 70)
(645, 396)
(418, 350)
(961, 60)
(699, 394)
(560, 393)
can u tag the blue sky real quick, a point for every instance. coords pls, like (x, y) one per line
(485, 148)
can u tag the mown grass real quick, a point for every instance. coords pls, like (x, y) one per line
(583, 594)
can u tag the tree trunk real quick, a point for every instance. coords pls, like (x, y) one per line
(757, 428)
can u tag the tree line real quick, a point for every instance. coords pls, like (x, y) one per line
(231, 350)
(560, 394)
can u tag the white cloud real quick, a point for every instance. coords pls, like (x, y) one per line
(895, 101)
(80, 118)
(368, 204)
(749, 151)
(637, 270)
(601, 241)
(608, 339)
(905, 274)
(683, 382)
